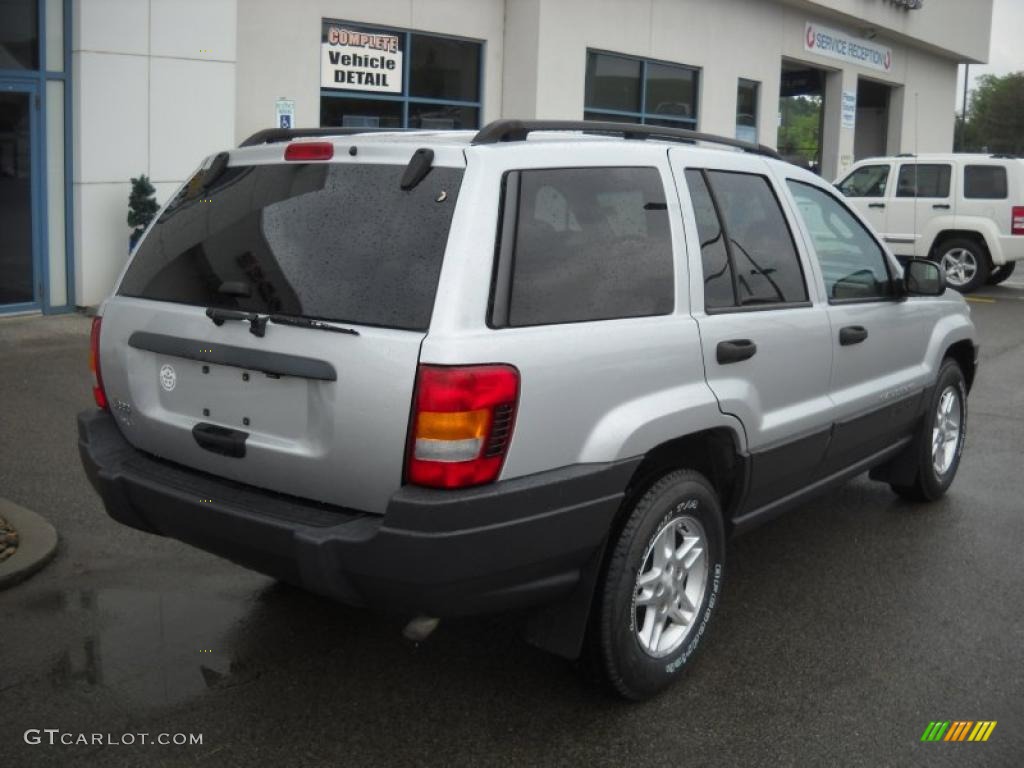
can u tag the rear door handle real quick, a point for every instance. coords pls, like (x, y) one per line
(941, 207)
(876, 205)
(735, 351)
(852, 334)
(226, 442)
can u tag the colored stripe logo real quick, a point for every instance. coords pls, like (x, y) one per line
(958, 730)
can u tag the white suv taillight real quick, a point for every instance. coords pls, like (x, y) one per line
(1018, 220)
(98, 393)
(462, 424)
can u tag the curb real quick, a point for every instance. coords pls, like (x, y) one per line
(36, 547)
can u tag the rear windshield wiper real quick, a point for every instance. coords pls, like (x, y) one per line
(258, 324)
(306, 322)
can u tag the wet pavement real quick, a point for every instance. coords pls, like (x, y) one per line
(845, 628)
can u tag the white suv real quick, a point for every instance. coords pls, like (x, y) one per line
(964, 211)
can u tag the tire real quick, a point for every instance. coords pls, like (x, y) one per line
(680, 510)
(965, 263)
(932, 480)
(1002, 274)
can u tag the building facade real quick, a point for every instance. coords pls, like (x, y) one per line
(95, 92)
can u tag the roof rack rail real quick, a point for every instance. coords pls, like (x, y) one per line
(275, 135)
(517, 130)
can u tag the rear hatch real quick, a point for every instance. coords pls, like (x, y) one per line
(318, 410)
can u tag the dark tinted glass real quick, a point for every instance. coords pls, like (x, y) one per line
(613, 82)
(671, 91)
(442, 68)
(923, 181)
(868, 181)
(718, 289)
(19, 34)
(590, 244)
(360, 113)
(764, 256)
(15, 198)
(852, 263)
(331, 241)
(443, 117)
(985, 182)
(610, 118)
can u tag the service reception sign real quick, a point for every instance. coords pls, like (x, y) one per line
(354, 60)
(845, 47)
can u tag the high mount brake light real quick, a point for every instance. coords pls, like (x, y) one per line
(462, 424)
(304, 151)
(98, 392)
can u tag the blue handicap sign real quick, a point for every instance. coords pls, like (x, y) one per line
(286, 121)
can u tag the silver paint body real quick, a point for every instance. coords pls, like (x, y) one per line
(590, 392)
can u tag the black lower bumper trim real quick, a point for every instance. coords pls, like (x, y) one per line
(509, 545)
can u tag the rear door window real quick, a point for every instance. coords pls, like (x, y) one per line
(581, 244)
(918, 180)
(330, 241)
(985, 182)
(761, 259)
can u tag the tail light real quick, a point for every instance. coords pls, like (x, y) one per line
(461, 424)
(1018, 220)
(98, 393)
(304, 151)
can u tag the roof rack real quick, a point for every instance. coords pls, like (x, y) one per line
(517, 130)
(275, 135)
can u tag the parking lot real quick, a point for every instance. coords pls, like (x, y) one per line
(845, 628)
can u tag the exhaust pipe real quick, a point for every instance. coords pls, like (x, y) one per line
(420, 628)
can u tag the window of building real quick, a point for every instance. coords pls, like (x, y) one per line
(852, 262)
(581, 244)
(869, 181)
(746, 110)
(985, 182)
(383, 78)
(760, 265)
(19, 34)
(923, 181)
(632, 90)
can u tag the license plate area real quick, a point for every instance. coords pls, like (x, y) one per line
(252, 401)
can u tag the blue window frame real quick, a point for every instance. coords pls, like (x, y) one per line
(439, 86)
(634, 90)
(44, 57)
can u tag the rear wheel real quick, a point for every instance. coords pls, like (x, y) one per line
(1002, 273)
(965, 263)
(660, 587)
(941, 439)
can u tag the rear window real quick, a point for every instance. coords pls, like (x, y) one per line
(985, 182)
(923, 181)
(329, 241)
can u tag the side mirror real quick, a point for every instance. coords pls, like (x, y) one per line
(923, 278)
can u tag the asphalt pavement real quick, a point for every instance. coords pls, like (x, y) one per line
(845, 626)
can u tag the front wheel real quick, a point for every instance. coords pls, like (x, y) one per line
(965, 263)
(661, 585)
(940, 442)
(1002, 273)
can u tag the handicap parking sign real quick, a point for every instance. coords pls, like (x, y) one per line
(286, 121)
(285, 111)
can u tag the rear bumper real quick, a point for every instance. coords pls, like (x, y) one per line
(514, 544)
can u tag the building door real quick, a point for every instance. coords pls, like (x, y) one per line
(871, 137)
(18, 192)
(801, 114)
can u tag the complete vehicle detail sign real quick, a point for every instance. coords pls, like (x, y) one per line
(840, 45)
(357, 60)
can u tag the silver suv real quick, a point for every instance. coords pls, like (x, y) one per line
(542, 370)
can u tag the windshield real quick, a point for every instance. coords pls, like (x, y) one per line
(331, 241)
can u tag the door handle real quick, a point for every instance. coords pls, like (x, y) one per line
(852, 334)
(876, 205)
(226, 442)
(941, 207)
(735, 351)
